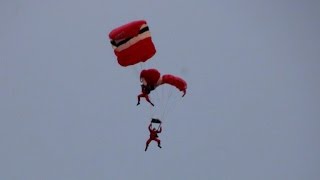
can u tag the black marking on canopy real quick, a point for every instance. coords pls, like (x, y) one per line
(114, 43)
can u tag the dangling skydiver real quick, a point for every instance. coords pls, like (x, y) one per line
(145, 91)
(154, 135)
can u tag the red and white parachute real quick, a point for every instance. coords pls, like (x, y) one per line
(132, 43)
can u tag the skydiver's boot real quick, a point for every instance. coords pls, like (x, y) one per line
(151, 103)
(159, 145)
(138, 100)
(146, 148)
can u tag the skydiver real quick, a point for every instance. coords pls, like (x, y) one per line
(145, 90)
(153, 136)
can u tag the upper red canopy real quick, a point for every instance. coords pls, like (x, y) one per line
(126, 31)
(132, 43)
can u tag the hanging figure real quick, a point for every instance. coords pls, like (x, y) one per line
(154, 134)
(152, 79)
(145, 91)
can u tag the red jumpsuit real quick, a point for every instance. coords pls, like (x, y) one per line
(145, 90)
(153, 136)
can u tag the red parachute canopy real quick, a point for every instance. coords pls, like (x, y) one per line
(132, 43)
(175, 81)
(151, 76)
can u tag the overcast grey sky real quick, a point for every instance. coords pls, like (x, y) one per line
(68, 110)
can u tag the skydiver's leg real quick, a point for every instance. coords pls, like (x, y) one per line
(139, 96)
(147, 98)
(147, 144)
(158, 141)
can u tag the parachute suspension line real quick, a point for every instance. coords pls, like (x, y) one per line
(157, 99)
(136, 71)
(137, 68)
(158, 96)
(177, 98)
(174, 98)
(151, 113)
(154, 97)
(154, 62)
(165, 107)
(142, 66)
(164, 99)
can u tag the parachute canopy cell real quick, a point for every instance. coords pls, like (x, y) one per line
(132, 43)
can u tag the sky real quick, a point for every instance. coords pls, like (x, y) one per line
(68, 109)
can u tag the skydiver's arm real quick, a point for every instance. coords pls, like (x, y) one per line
(159, 130)
(150, 127)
